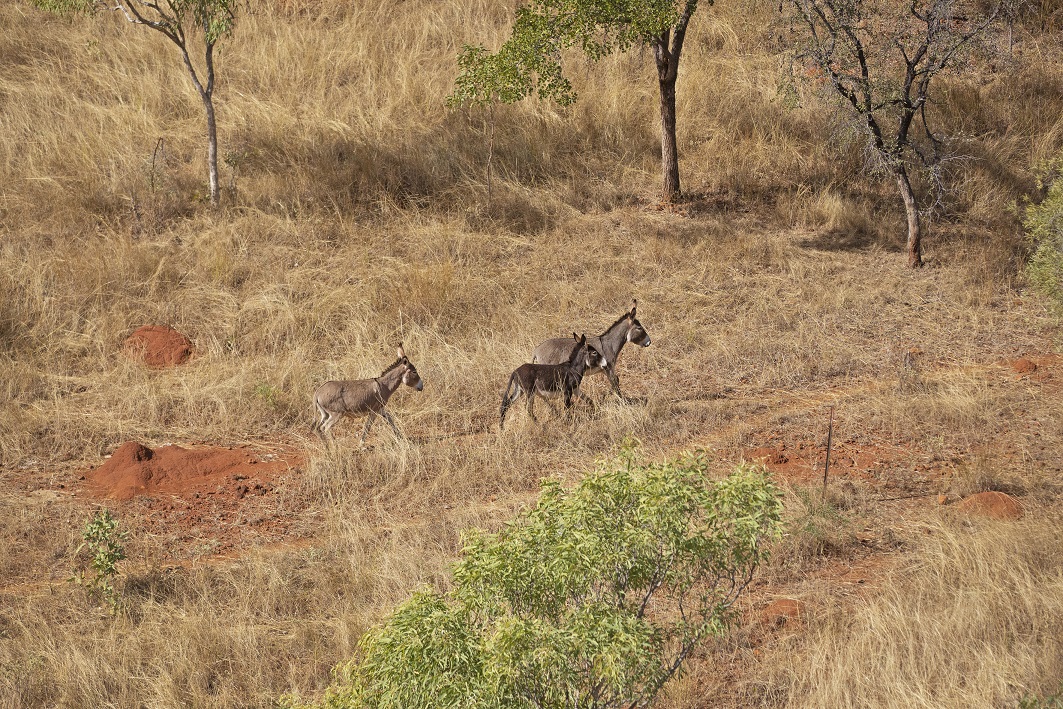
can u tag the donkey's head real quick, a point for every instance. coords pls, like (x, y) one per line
(636, 333)
(410, 377)
(592, 358)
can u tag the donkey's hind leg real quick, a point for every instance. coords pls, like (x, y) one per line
(531, 405)
(319, 421)
(328, 420)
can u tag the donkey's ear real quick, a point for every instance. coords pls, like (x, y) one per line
(582, 339)
(575, 337)
(634, 307)
(402, 352)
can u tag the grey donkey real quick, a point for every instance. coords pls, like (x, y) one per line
(626, 329)
(546, 380)
(352, 397)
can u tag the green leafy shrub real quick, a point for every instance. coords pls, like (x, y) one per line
(106, 547)
(1054, 701)
(268, 394)
(1044, 227)
(592, 599)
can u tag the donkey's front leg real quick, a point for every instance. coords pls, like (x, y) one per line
(368, 424)
(391, 422)
(578, 393)
(615, 381)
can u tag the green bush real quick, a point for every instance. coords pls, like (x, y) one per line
(1054, 701)
(1044, 227)
(592, 599)
(106, 547)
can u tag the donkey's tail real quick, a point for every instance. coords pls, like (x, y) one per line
(508, 398)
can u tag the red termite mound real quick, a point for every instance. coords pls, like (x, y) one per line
(158, 346)
(995, 505)
(782, 611)
(134, 469)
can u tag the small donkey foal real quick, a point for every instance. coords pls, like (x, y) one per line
(334, 400)
(550, 379)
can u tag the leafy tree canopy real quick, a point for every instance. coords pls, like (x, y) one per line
(171, 17)
(530, 60)
(1044, 227)
(592, 599)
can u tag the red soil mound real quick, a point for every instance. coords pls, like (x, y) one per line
(783, 611)
(134, 470)
(1024, 366)
(995, 505)
(158, 346)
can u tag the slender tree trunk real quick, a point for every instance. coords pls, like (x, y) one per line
(915, 233)
(206, 93)
(667, 48)
(212, 150)
(669, 149)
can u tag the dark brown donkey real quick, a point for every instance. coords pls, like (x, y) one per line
(547, 380)
(626, 329)
(334, 400)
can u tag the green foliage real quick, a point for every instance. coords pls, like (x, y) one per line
(171, 17)
(105, 544)
(530, 60)
(1044, 228)
(592, 599)
(268, 394)
(1054, 701)
(66, 7)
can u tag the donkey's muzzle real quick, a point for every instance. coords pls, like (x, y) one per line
(420, 385)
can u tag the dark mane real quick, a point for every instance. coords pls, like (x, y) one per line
(618, 321)
(396, 363)
(575, 350)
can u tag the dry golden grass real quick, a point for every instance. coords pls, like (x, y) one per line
(358, 216)
(973, 620)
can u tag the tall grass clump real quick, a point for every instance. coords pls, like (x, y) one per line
(1044, 227)
(974, 619)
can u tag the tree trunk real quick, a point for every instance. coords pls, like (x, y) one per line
(667, 48)
(206, 93)
(212, 150)
(915, 234)
(669, 149)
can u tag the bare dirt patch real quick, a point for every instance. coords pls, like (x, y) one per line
(783, 612)
(803, 461)
(992, 504)
(218, 498)
(1035, 366)
(158, 346)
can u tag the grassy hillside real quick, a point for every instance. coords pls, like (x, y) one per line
(356, 214)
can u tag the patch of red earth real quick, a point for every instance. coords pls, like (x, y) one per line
(1024, 366)
(992, 504)
(204, 500)
(158, 346)
(803, 461)
(1036, 367)
(782, 612)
